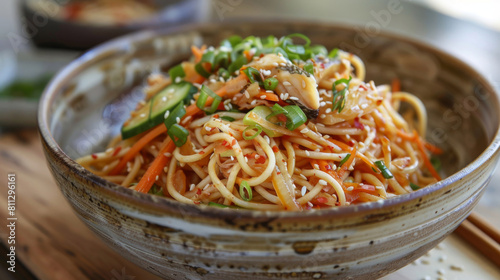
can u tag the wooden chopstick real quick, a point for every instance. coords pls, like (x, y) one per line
(481, 235)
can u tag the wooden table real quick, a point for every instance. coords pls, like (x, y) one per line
(52, 243)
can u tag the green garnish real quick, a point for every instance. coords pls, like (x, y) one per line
(414, 187)
(385, 171)
(270, 83)
(258, 132)
(227, 118)
(339, 96)
(253, 75)
(178, 134)
(245, 191)
(344, 160)
(175, 115)
(205, 92)
(175, 72)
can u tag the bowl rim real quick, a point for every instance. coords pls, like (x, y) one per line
(157, 204)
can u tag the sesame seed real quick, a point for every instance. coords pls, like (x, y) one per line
(275, 64)
(232, 158)
(269, 91)
(167, 154)
(267, 139)
(153, 147)
(178, 79)
(157, 177)
(213, 81)
(222, 79)
(191, 187)
(286, 83)
(323, 182)
(303, 191)
(167, 113)
(109, 150)
(246, 159)
(305, 130)
(379, 187)
(315, 166)
(165, 169)
(247, 95)
(322, 116)
(440, 271)
(364, 106)
(206, 187)
(328, 111)
(207, 128)
(309, 204)
(253, 102)
(456, 267)
(286, 95)
(164, 99)
(351, 188)
(326, 136)
(307, 153)
(262, 97)
(257, 156)
(178, 120)
(142, 115)
(294, 98)
(322, 104)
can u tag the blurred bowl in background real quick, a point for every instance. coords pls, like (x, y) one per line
(80, 25)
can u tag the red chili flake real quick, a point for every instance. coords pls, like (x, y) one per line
(198, 191)
(363, 86)
(278, 173)
(233, 142)
(322, 200)
(216, 116)
(261, 160)
(117, 150)
(221, 107)
(328, 167)
(275, 149)
(196, 202)
(94, 156)
(261, 55)
(201, 153)
(224, 143)
(357, 124)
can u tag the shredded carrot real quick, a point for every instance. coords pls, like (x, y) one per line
(366, 160)
(348, 163)
(427, 162)
(433, 149)
(342, 145)
(396, 85)
(198, 53)
(414, 137)
(137, 147)
(406, 136)
(155, 169)
(269, 96)
(247, 55)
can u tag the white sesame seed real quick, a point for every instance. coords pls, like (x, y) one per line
(222, 79)
(213, 81)
(157, 177)
(322, 104)
(315, 166)
(208, 128)
(232, 158)
(191, 187)
(303, 191)
(309, 204)
(364, 106)
(109, 150)
(178, 79)
(286, 95)
(167, 154)
(246, 159)
(142, 115)
(257, 156)
(286, 83)
(379, 187)
(283, 64)
(206, 187)
(167, 113)
(263, 97)
(294, 98)
(178, 120)
(247, 95)
(253, 102)
(307, 153)
(328, 111)
(164, 99)
(275, 64)
(165, 169)
(267, 139)
(326, 136)
(269, 91)
(305, 130)
(322, 116)
(303, 176)
(351, 188)
(323, 182)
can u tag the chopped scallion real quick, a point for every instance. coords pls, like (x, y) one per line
(177, 113)
(414, 187)
(339, 96)
(270, 83)
(178, 134)
(309, 68)
(205, 92)
(253, 75)
(246, 196)
(258, 132)
(344, 160)
(227, 118)
(295, 117)
(175, 72)
(200, 69)
(385, 171)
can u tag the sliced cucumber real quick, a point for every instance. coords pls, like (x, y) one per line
(152, 114)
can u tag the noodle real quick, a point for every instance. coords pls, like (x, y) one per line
(282, 132)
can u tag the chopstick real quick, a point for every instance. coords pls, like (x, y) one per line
(481, 235)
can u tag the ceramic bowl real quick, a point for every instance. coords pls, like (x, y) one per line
(85, 104)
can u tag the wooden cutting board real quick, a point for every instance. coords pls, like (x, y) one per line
(50, 240)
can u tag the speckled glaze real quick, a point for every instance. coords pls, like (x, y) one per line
(85, 104)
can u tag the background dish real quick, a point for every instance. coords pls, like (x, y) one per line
(357, 235)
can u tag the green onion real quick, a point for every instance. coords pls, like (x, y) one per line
(436, 163)
(318, 50)
(256, 126)
(217, 205)
(270, 83)
(295, 117)
(232, 41)
(414, 187)
(227, 118)
(200, 69)
(302, 36)
(156, 190)
(236, 65)
(208, 57)
(385, 171)
(339, 96)
(177, 113)
(205, 92)
(248, 195)
(178, 134)
(175, 72)
(276, 110)
(309, 67)
(253, 75)
(333, 53)
(224, 73)
(344, 160)
(221, 60)
(278, 50)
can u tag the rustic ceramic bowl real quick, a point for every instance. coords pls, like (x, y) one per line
(86, 103)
